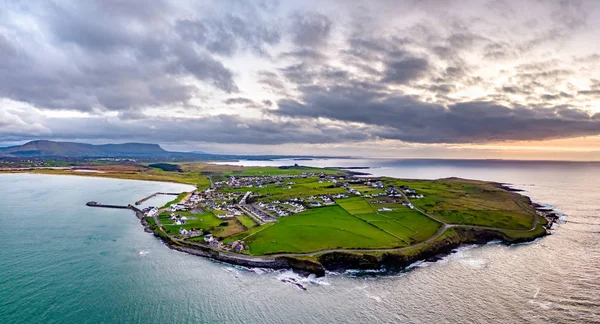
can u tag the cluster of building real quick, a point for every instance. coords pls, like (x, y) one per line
(237, 246)
(189, 233)
(378, 184)
(280, 209)
(259, 181)
(178, 219)
(178, 207)
(227, 211)
(150, 211)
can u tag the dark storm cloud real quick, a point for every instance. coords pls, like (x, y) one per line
(408, 119)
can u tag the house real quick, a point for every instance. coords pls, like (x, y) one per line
(193, 233)
(208, 238)
(384, 209)
(183, 231)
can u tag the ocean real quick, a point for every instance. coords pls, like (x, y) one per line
(63, 262)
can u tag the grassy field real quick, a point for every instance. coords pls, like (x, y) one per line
(471, 203)
(207, 222)
(318, 229)
(246, 221)
(176, 200)
(355, 205)
(204, 221)
(410, 225)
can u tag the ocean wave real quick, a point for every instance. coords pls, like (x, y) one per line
(289, 276)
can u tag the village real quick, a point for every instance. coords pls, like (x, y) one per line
(265, 199)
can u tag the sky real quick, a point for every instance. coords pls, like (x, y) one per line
(399, 79)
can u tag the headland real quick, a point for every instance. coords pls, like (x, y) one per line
(313, 219)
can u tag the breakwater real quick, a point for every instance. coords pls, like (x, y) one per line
(95, 204)
(141, 201)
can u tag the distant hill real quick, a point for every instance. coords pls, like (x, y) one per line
(141, 151)
(43, 148)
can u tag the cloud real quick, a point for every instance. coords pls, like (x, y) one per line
(426, 72)
(310, 29)
(108, 62)
(238, 100)
(230, 34)
(223, 129)
(408, 119)
(404, 70)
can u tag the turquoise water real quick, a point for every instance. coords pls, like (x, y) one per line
(63, 262)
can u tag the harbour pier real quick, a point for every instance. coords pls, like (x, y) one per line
(141, 201)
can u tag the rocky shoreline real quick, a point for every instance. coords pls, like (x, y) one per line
(356, 260)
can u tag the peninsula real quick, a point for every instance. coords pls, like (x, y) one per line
(313, 219)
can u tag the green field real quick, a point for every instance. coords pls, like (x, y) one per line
(176, 200)
(466, 202)
(246, 221)
(205, 221)
(355, 205)
(319, 229)
(408, 224)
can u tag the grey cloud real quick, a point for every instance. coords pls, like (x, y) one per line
(271, 80)
(409, 119)
(310, 29)
(589, 92)
(109, 64)
(126, 56)
(498, 51)
(238, 100)
(228, 35)
(215, 129)
(305, 54)
(404, 70)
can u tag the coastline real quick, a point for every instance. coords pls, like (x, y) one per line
(61, 172)
(392, 260)
(349, 259)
